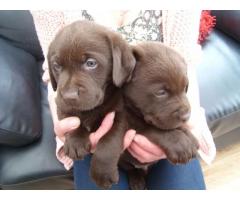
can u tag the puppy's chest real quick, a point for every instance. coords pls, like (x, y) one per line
(91, 120)
(136, 122)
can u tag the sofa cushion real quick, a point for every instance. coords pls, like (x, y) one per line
(228, 22)
(35, 166)
(219, 81)
(17, 27)
(20, 113)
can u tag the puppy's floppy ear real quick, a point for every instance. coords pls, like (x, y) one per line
(138, 52)
(123, 60)
(52, 78)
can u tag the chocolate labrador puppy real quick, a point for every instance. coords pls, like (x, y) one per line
(157, 107)
(88, 64)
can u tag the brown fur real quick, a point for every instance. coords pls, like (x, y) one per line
(157, 107)
(87, 64)
(91, 93)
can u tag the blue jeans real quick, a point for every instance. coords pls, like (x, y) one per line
(162, 176)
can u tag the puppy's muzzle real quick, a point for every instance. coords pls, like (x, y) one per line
(182, 115)
(73, 94)
(185, 117)
(81, 97)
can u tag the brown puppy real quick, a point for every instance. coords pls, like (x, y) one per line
(157, 107)
(87, 64)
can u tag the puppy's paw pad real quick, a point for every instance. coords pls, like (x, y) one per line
(182, 153)
(76, 149)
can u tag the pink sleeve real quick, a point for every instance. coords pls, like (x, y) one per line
(47, 24)
(180, 31)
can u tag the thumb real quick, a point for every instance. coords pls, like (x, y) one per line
(65, 125)
(128, 138)
(102, 130)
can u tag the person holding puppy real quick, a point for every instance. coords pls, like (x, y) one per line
(177, 29)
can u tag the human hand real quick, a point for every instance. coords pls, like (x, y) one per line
(138, 145)
(144, 150)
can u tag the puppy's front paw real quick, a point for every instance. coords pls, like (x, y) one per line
(76, 148)
(105, 179)
(104, 175)
(183, 150)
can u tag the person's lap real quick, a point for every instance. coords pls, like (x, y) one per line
(83, 181)
(162, 176)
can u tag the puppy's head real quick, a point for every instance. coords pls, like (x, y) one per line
(159, 85)
(84, 58)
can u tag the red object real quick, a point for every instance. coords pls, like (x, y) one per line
(207, 22)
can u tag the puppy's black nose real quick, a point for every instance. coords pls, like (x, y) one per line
(185, 117)
(71, 94)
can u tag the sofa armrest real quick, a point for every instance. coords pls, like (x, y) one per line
(35, 165)
(20, 111)
(228, 22)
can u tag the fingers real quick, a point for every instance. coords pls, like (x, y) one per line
(66, 125)
(102, 130)
(147, 145)
(128, 138)
(106, 125)
(145, 151)
(141, 155)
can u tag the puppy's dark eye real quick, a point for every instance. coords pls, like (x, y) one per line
(90, 63)
(161, 93)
